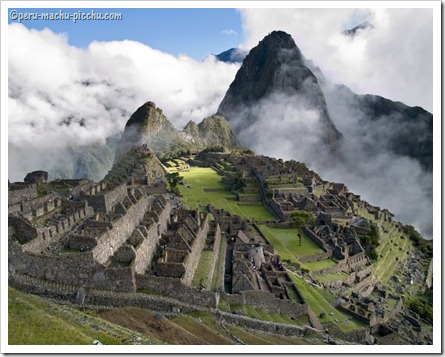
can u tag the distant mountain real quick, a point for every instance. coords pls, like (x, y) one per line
(213, 130)
(234, 55)
(275, 67)
(355, 30)
(148, 125)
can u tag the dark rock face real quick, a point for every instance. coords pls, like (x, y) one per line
(275, 66)
(36, 177)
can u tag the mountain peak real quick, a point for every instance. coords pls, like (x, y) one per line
(275, 67)
(149, 117)
(147, 125)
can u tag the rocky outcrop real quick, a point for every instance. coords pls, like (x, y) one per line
(213, 130)
(36, 177)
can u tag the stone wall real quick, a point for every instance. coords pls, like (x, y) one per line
(357, 260)
(385, 336)
(78, 269)
(170, 269)
(341, 266)
(145, 250)
(51, 234)
(316, 257)
(276, 210)
(258, 325)
(174, 288)
(353, 313)
(21, 192)
(265, 300)
(22, 228)
(123, 227)
(192, 259)
(316, 239)
(105, 200)
(216, 252)
(249, 198)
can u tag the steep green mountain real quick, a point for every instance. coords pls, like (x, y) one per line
(148, 125)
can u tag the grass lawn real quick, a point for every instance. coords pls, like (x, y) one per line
(218, 274)
(36, 321)
(390, 253)
(319, 300)
(320, 264)
(285, 241)
(201, 178)
(202, 271)
(331, 277)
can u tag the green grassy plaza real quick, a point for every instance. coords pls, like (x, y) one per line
(198, 194)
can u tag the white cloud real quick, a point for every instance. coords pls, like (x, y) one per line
(229, 32)
(394, 59)
(95, 90)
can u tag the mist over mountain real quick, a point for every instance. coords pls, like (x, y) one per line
(68, 106)
(281, 104)
(274, 70)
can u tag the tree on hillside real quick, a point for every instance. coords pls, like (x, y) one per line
(174, 179)
(301, 219)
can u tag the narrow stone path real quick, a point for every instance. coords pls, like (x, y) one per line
(314, 319)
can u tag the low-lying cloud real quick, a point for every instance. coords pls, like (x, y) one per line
(62, 97)
(393, 59)
(285, 128)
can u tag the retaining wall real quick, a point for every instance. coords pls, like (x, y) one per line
(78, 269)
(109, 243)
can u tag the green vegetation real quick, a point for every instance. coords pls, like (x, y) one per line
(174, 179)
(36, 321)
(218, 273)
(45, 187)
(319, 300)
(422, 305)
(286, 242)
(204, 187)
(200, 279)
(425, 246)
(320, 264)
(370, 241)
(301, 219)
(392, 250)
